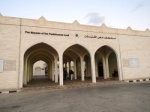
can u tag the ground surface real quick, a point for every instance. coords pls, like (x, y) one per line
(123, 97)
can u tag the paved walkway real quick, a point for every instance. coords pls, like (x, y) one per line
(43, 83)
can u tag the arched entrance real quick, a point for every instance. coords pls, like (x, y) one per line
(81, 64)
(40, 52)
(106, 63)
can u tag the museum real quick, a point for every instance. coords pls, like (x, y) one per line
(91, 52)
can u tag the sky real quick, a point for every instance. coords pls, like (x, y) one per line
(112, 13)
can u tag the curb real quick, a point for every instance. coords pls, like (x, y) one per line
(4, 92)
(138, 80)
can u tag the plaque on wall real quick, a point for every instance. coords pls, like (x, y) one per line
(1, 65)
(9, 65)
(134, 63)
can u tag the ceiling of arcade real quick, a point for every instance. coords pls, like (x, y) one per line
(40, 52)
(41, 46)
(103, 51)
(78, 49)
(74, 52)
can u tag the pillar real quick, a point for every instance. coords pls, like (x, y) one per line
(89, 69)
(53, 70)
(104, 68)
(31, 74)
(56, 71)
(93, 69)
(25, 74)
(50, 70)
(28, 73)
(96, 70)
(82, 68)
(107, 68)
(75, 70)
(120, 74)
(60, 69)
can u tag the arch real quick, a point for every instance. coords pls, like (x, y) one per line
(76, 45)
(77, 52)
(105, 51)
(112, 65)
(108, 47)
(39, 51)
(39, 68)
(41, 44)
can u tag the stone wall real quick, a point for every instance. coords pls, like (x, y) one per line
(17, 35)
(9, 52)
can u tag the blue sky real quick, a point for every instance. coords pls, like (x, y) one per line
(113, 13)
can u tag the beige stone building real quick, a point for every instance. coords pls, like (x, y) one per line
(94, 51)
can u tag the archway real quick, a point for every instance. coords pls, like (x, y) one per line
(106, 63)
(39, 52)
(40, 68)
(113, 68)
(80, 58)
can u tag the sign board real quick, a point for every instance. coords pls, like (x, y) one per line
(134, 63)
(9, 65)
(1, 65)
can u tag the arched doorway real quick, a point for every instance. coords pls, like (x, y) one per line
(40, 52)
(106, 63)
(40, 68)
(80, 58)
(113, 68)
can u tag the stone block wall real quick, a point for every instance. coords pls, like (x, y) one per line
(9, 52)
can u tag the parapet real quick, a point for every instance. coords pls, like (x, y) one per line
(76, 26)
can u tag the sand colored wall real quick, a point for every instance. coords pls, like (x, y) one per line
(131, 47)
(9, 52)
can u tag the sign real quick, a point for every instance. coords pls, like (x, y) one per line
(60, 34)
(1, 65)
(9, 65)
(99, 37)
(134, 63)
(46, 33)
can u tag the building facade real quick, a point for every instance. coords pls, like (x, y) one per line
(95, 51)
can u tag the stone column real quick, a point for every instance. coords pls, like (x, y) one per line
(53, 70)
(82, 68)
(25, 74)
(56, 71)
(93, 69)
(60, 69)
(104, 68)
(107, 68)
(87, 68)
(96, 70)
(119, 67)
(30, 77)
(50, 70)
(75, 70)
(88, 71)
(21, 73)
(28, 74)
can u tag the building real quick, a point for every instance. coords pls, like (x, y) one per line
(95, 51)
